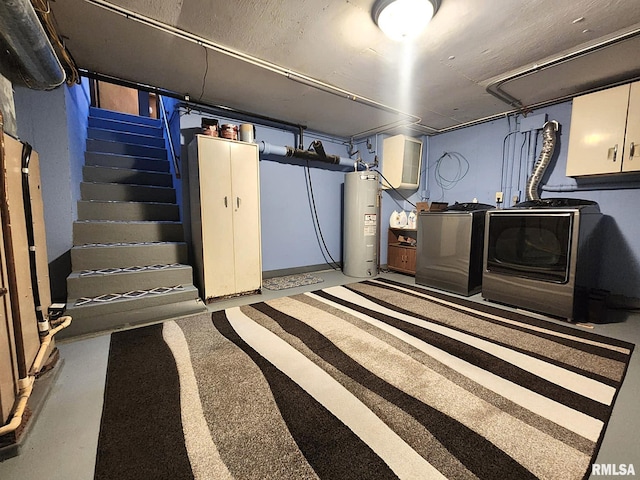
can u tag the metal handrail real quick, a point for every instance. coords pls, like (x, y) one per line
(165, 122)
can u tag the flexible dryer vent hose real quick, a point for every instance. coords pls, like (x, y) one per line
(548, 145)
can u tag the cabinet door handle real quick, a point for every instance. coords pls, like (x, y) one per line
(238, 202)
(632, 150)
(613, 153)
(225, 202)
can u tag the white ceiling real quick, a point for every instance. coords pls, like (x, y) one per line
(325, 65)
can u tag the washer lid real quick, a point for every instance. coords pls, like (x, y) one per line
(468, 207)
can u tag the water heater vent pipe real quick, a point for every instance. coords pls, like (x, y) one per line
(286, 151)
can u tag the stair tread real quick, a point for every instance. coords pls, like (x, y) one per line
(98, 117)
(157, 126)
(120, 271)
(114, 114)
(122, 143)
(128, 296)
(124, 132)
(127, 202)
(91, 319)
(129, 185)
(126, 155)
(141, 222)
(126, 244)
(117, 169)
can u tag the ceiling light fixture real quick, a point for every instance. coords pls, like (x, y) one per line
(403, 19)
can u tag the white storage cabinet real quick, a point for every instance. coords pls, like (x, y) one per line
(225, 216)
(605, 132)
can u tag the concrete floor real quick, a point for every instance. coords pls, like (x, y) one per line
(62, 441)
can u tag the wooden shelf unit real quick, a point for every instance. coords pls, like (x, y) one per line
(401, 255)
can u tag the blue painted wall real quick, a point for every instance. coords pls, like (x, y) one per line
(55, 124)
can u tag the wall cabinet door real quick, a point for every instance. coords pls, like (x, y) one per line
(631, 154)
(605, 129)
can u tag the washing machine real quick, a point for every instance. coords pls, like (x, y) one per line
(450, 248)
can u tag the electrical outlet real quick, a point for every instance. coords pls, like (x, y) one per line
(499, 197)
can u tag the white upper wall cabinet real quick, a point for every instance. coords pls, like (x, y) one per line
(605, 132)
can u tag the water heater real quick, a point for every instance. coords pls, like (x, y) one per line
(360, 240)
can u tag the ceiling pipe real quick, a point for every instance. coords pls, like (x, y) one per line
(495, 87)
(317, 155)
(38, 65)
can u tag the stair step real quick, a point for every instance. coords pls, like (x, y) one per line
(123, 126)
(126, 175)
(108, 146)
(126, 193)
(123, 255)
(125, 137)
(106, 231)
(133, 211)
(124, 117)
(92, 283)
(125, 161)
(95, 317)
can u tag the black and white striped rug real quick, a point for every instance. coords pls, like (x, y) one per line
(371, 380)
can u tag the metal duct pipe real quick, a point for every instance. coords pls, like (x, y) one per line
(548, 145)
(21, 30)
(286, 151)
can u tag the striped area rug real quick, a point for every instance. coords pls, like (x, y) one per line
(372, 380)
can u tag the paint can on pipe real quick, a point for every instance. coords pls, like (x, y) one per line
(247, 132)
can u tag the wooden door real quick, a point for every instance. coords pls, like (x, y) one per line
(118, 98)
(123, 99)
(245, 183)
